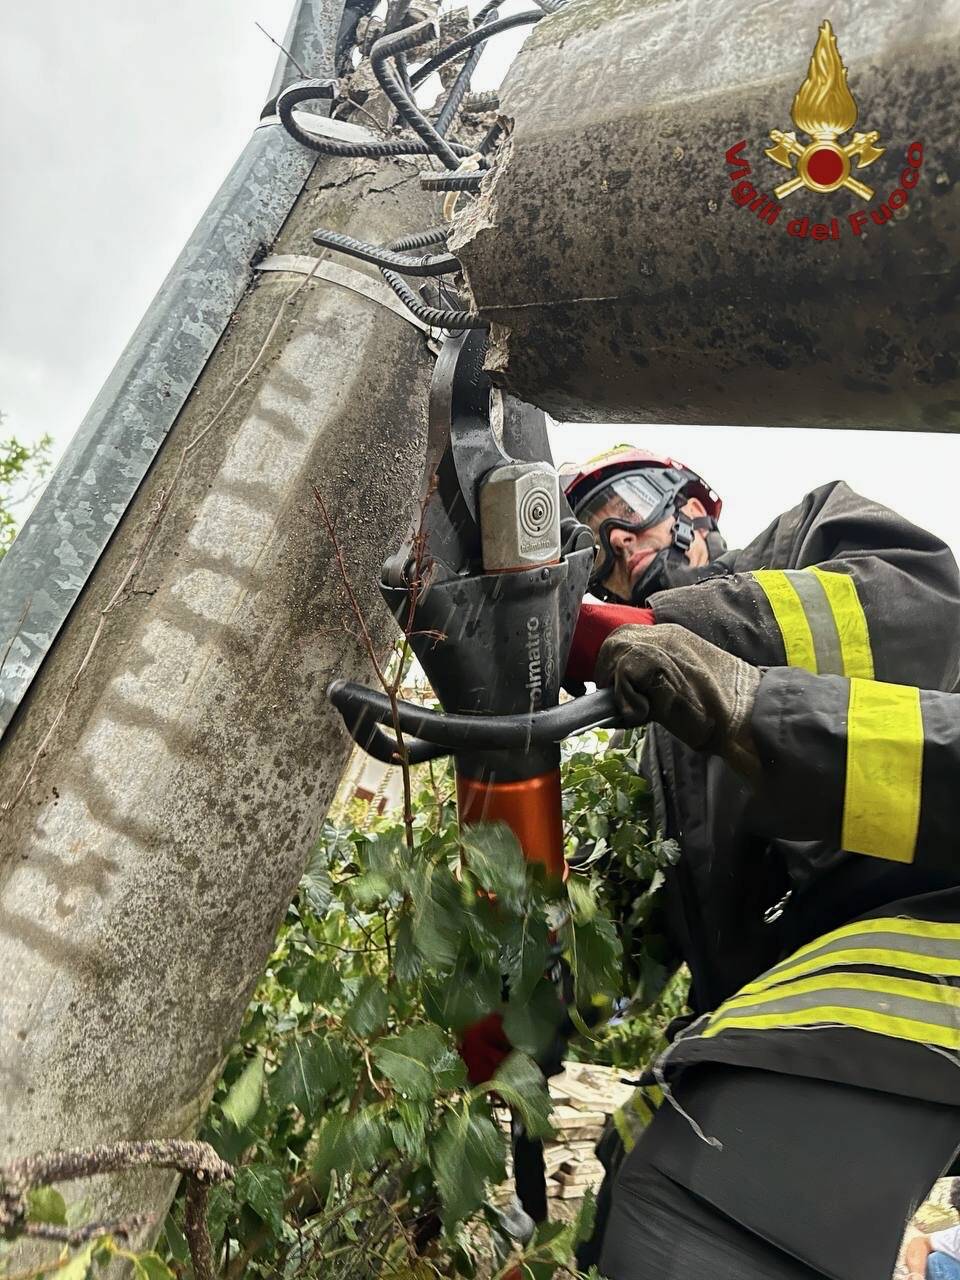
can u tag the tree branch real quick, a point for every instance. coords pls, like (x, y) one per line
(197, 1161)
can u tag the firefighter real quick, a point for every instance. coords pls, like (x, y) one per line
(808, 1067)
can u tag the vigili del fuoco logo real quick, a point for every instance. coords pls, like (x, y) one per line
(823, 110)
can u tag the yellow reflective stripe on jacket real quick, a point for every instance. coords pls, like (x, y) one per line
(881, 801)
(791, 618)
(821, 620)
(905, 926)
(851, 623)
(926, 946)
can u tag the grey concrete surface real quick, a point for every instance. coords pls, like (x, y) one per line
(626, 284)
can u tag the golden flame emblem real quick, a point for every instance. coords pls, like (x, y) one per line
(824, 108)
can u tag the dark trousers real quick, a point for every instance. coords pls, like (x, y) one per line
(813, 1180)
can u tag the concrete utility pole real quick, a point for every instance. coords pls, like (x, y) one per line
(173, 759)
(637, 262)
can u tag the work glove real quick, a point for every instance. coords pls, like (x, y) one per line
(594, 623)
(701, 694)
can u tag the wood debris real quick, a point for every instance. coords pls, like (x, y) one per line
(584, 1095)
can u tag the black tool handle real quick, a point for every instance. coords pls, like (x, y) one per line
(437, 733)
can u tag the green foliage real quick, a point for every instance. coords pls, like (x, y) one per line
(46, 1204)
(358, 1143)
(20, 465)
(612, 837)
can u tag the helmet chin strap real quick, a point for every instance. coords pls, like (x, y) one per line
(670, 567)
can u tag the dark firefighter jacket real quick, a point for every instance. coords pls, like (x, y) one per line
(839, 585)
(871, 767)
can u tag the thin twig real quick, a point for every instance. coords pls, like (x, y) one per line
(90, 1231)
(348, 587)
(377, 1088)
(303, 73)
(349, 951)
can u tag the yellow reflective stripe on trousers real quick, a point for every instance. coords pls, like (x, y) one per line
(925, 1012)
(935, 930)
(830, 1016)
(634, 1116)
(791, 618)
(881, 802)
(876, 984)
(851, 622)
(935, 965)
(821, 620)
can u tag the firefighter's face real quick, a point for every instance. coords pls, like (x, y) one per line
(634, 551)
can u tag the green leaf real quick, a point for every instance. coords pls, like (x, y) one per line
(525, 948)
(46, 1204)
(330, 1150)
(595, 956)
(494, 857)
(370, 890)
(150, 1266)
(367, 1135)
(347, 1143)
(262, 1188)
(408, 1128)
(318, 983)
(469, 1152)
(420, 1063)
(80, 1265)
(311, 1068)
(531, 1024)
(243, 1100)
(438, 908)
(521, 1084)
(369, 1010)
(582, 900)
(316, 885)
(406, 959)
(456, 999)
(220, 1209)
(174, 1239)
(586, 1217)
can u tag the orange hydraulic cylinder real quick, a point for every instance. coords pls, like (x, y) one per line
(531, 809)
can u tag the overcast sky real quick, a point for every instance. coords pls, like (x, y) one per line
(118, 122)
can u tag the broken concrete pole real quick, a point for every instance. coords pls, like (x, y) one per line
(634, 257)
(148, 853)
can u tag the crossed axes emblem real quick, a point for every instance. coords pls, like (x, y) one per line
(862, 148)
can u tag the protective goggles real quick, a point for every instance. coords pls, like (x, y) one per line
(637, 499)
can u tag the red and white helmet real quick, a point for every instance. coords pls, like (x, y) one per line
(580, 480)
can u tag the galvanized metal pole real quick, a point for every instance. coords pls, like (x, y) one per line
(175, 755)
